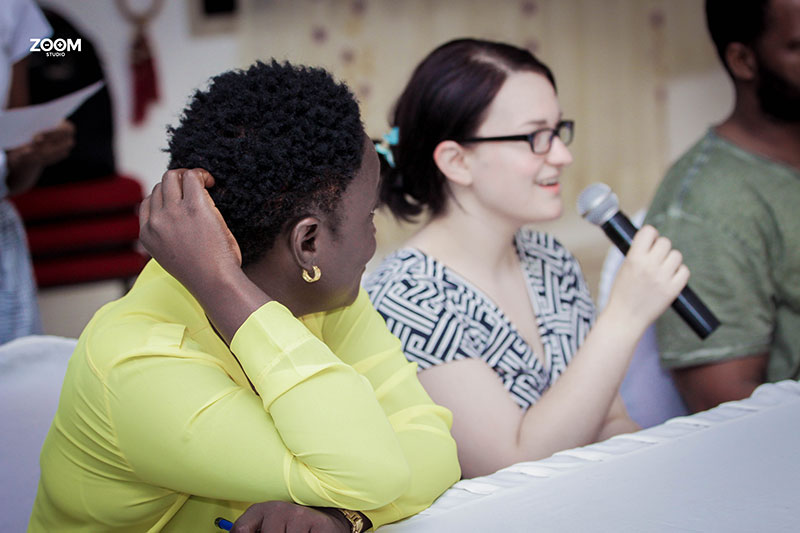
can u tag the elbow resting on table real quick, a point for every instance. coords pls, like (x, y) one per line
(384, 482)
(363, 482)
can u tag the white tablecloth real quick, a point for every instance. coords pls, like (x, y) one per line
(733, 468)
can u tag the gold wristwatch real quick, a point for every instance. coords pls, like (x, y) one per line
(355, 519)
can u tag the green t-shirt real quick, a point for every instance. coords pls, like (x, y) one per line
(735, 218)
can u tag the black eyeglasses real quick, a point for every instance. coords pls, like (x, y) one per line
(540, 140)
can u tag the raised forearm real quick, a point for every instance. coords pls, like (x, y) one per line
(617, 422)
(228, 299)
(574, 410)
(26, 162)
(186, 234)
(22, 175)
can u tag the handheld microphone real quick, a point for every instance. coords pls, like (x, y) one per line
(600, 206)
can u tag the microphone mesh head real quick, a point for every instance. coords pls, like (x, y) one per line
(597, 203)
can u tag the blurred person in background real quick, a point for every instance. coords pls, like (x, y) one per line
(20, 167)
(730, 205)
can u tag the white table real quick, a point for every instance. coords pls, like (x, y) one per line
(733, 468)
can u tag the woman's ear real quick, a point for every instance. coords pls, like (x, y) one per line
(303, 241)
(449, 156)
(741, 60)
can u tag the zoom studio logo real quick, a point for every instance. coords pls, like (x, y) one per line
(55, 47)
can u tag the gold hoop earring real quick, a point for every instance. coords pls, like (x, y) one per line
(309, 278)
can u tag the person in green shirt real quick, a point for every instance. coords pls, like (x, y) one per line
(246, 364)
(730, 206)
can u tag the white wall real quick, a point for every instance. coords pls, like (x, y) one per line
(183, 63)
(695, 102)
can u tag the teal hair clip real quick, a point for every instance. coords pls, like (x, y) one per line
(393, 137)
(385, 146)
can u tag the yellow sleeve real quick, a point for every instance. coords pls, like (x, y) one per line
(358, 336)
(316, 434)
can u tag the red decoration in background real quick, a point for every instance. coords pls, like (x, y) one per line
(83, 231)
(143, 71)
(145, 87)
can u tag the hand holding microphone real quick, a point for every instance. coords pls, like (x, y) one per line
(654, 257)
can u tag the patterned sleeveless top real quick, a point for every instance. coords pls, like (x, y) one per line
(440, 316)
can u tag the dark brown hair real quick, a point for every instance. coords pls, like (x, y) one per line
(446, 98)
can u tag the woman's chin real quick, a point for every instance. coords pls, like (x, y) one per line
(541, 216)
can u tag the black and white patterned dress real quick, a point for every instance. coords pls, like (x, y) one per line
(439, 316)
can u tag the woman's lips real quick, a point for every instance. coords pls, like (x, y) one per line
(553, 187)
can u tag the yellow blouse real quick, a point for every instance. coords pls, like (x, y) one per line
(159, 429)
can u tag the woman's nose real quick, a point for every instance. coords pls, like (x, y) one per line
(559, 155)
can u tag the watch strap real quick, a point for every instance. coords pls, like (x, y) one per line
(355, 519)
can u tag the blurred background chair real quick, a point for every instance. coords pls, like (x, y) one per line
(31, 373)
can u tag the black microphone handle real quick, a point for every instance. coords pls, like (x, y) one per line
(695, 313)
(688, 305)
(620, 230)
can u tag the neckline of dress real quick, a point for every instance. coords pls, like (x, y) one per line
(543, 365)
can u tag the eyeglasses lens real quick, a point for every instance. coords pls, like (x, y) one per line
(565, 132)
(543, 139)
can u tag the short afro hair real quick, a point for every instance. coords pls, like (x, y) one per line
(282, 142)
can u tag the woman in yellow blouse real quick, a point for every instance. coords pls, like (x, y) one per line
(248, 365)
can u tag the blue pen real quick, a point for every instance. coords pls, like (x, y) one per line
(221, 523)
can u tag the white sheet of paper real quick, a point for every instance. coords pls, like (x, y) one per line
(19, 125)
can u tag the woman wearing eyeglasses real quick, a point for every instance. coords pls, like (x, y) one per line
(498, 316)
